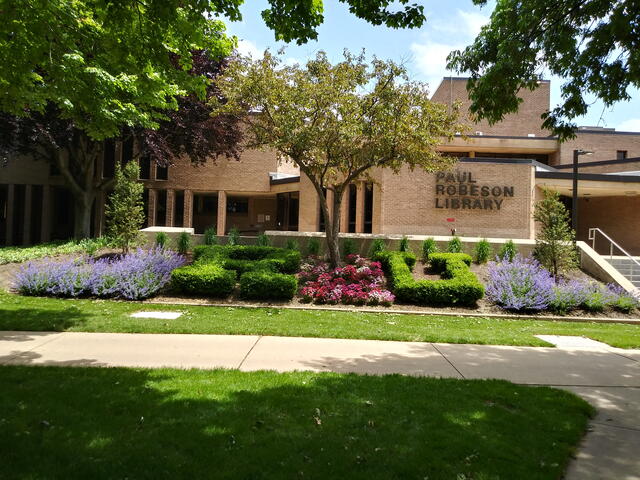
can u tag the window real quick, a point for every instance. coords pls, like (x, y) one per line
(145, 168)
(238, 205)
(353, 198)
(162, 172)
(161, 208)
(178, 209)
(621, 155)
(368, 208)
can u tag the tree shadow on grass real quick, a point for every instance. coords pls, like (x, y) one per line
(41, 319)
(116, 423)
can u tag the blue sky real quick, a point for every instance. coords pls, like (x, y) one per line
(450, 25)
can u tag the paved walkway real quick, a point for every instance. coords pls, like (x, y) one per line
(607, 377)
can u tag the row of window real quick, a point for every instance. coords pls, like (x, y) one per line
(352, 209)
(109, 163)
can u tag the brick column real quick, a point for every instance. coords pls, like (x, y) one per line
(11, 193)
(222, 213)
(47, 214)
(376, 226)
(188, 209)
(26, 226)
(152, 207)
(360, 207)
(170, 208)
(344, 212)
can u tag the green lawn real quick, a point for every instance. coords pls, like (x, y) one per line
(133, 423)
(49, 314)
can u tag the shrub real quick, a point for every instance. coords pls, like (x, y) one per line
(204, 279)
(454, 245)
(161, 239)
(313, 246)
(482, 251)
(521, 284)
(263, 240)
(184, 242)
(508, 251)
(210, 236)
(234, 237)
(429, 246)
(568, 295)
(125, 210)
(377, 245)
(348, 247)
(261, 285)
(292, 244)
(404, 245)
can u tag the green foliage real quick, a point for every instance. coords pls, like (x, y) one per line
(263, 240)
(162, 239)
(429, 246)
(595, 302)
(403, 246)
(52, 249)
(378, 245)
(482, 251)
(204, 279)
(508, 250)
(210, 236)
(125, 210)
(233, 237)
(348, 247)
(184, 242)
(313, 246)
(555, 240)
(454, 245)
(625, 304)
(266, 285)
(458, 286)
(292, 244)
(590, 45)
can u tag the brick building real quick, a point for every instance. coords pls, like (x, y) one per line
(491, 192)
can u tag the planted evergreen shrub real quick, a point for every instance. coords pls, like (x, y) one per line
(234, 237)
(404, 245)
(210, 236)
(378, 245)
(508, 251)
(482, 251)
(204, 279)
(348, 247)
(292, 244)
(184, 242)
(429, 246)
(261, 285)
(313, 246)
(125, 210)
(454, 245)
(263, 240)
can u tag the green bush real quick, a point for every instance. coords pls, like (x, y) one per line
(595, 302)
(429, 246)
(292, 244)
(263, 240)
(454, 245)
(313, 246)
(482, 251)
(348, 247)
(508, 250)
(161, 239)
(625, 304)
(261, 285)
(377, 245)
(184, 242)
(234, 237)
(210, 236)
(458, 286)
(404, 245)
(204, 279)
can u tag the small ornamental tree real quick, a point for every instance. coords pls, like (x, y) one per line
(555, 240)
(125, 210)
(337, 122)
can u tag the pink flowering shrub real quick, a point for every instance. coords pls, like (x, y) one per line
(359, 282)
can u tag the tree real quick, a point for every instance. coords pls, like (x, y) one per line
(337, 122)
(592, 44)
(555, 240)
(125, 210)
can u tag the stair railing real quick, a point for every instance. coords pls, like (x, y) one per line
(593, 232)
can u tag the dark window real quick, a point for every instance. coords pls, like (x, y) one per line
(368, 208)
(178, 209)
(63, 214)
(238, 205)
(109, 161)
(127, 151)
(539, 157)
(145, 168)
(162, 173)
(621, 155)
(294, 207)
(161, 208)
(35, 226)
(353, 199)
(145, 207)
(18, 214)
(3, 214)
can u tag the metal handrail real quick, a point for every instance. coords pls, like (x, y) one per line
(612, 243)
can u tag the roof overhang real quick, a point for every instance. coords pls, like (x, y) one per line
(486, 143)
(590, 185)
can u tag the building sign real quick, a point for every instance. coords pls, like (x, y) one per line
(461, 191)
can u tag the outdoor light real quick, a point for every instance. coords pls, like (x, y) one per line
(574, 209)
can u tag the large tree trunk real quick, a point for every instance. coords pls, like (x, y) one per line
(82, 215)
(333, 229)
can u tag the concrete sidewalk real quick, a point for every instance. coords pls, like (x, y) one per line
(609, 378)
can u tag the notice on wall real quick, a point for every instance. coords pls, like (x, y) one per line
(462, 191)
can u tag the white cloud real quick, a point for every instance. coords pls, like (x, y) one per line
(249, 49)
(631, 125)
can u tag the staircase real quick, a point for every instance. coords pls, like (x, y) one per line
(617, 257)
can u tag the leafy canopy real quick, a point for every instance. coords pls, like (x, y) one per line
(593, 44)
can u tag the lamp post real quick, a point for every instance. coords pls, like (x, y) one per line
(574, 207)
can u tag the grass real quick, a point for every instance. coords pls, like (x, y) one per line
(134, 423)
(23, 254)
(50, 314)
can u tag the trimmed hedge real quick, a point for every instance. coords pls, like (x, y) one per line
(263, 285)
(264, 273)
(204, 278)
(458, 286)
